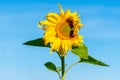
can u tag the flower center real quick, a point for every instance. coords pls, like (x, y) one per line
(66, 29)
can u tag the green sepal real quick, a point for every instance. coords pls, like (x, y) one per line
(80, 51)
(51, 66)
(37, 42)
(94, 61)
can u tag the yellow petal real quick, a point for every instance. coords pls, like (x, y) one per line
(46, 23)
(54, 15)
(80, 37)
(51, 19)
(61, 10)
(49, 34)
(49, 40)
(39, 25)
(69, 44)
(56, 44)
(66, 46)
(79, 24)
(67, 14)
(52, 48)
(77, 40)
(49, 29)
(74, 14)
(63, 47)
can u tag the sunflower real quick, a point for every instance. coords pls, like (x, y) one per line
(61, 30)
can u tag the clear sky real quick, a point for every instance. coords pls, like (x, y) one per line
(18, 24)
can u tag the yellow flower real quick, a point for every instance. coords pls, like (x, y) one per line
(61, 30)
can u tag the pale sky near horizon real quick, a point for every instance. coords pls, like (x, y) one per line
(18, 24)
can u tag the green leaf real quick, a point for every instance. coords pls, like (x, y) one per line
(37, 42)
(81, 51)
(94, 61)
(50, 66)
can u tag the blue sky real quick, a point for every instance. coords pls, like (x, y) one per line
(18, 24)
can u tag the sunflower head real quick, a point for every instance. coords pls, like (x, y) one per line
(61, 30)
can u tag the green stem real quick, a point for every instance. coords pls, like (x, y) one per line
(63, 66)
(69, 68)
(60, 59)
